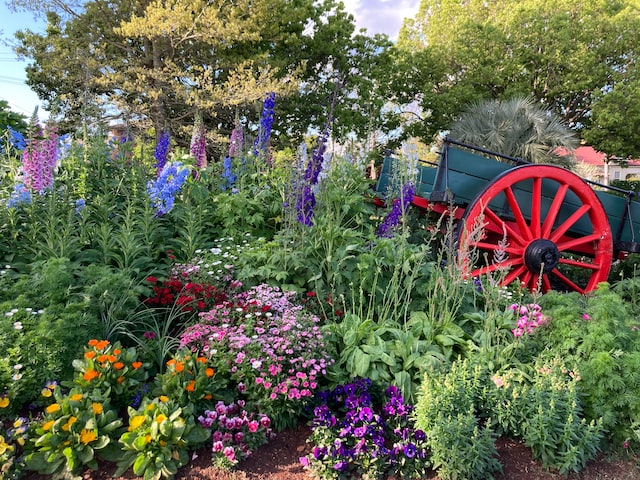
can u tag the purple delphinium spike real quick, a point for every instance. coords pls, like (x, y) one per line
(261, 145)
(399, 207)
(162, 149)
(306, 197)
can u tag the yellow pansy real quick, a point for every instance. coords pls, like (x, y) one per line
(161, 418)
(4, 402)
(76, 397)
(4, 446)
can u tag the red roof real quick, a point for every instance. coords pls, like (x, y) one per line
(590, 156)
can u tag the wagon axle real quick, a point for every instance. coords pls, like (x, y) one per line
(541, 256)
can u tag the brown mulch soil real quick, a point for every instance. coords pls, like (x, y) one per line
(279, 460)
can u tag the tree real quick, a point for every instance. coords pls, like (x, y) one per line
(518, 127)
(8, 118)
(615, 125)
(561, 53)
(158, 63)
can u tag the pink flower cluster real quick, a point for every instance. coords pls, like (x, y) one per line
(235, 432)
(529, 316)
(40, 157)
(272, 348)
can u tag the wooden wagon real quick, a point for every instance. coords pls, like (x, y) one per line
(549, 228)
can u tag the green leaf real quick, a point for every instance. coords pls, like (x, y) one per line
(361, 363)
(140, 465)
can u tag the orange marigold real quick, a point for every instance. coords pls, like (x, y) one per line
(47, 425)
(191, 386)
(201, 359)
(209, 372)
(102, 358)
(97, 408)
(102, 344)
(117, 351)
(93, 342)
(136, 365)
(111, 358)
(90, 375)
(179, 367)
(87, 436)
(120, 379)
(118, 365)
(89, 355)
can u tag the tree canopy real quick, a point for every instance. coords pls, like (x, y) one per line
(158, 63)
(564, 53)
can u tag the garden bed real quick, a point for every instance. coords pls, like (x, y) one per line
(279, 460)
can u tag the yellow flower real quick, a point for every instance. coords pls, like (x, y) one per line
(161, 418)
(147, 438)
(4, 446)
(54, 407)
(46, 392)
(71, 421)
(87, 436)
(47, 425)
(76, 397)
(136, 421)
(97, 408)
(164, 398)
(4, 402)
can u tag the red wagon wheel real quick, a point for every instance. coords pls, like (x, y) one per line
(541, 225)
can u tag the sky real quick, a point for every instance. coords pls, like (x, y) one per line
(377, 16)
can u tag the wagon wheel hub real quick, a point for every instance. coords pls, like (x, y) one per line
(541, 256)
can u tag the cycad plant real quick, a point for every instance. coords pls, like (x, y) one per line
(518, 127)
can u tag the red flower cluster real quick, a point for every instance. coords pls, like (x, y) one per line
(189, 296)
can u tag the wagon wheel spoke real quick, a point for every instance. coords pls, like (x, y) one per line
(494, 247)
(572, 244)
(511, 233)
(579, 264)
(526, 279)
(554, 210)
(536, 200)
(569, 222)
(517, 214)
(567, 282)
(546, 283)
(494, 267)
(514, 274)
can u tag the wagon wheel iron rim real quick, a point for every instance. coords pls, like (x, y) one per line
(530, 234)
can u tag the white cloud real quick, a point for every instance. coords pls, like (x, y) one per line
(382, 16)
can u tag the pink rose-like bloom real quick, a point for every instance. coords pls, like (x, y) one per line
(265, 421)
(218, 446)
(238, 437)
(230, 453)
(253, 426)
